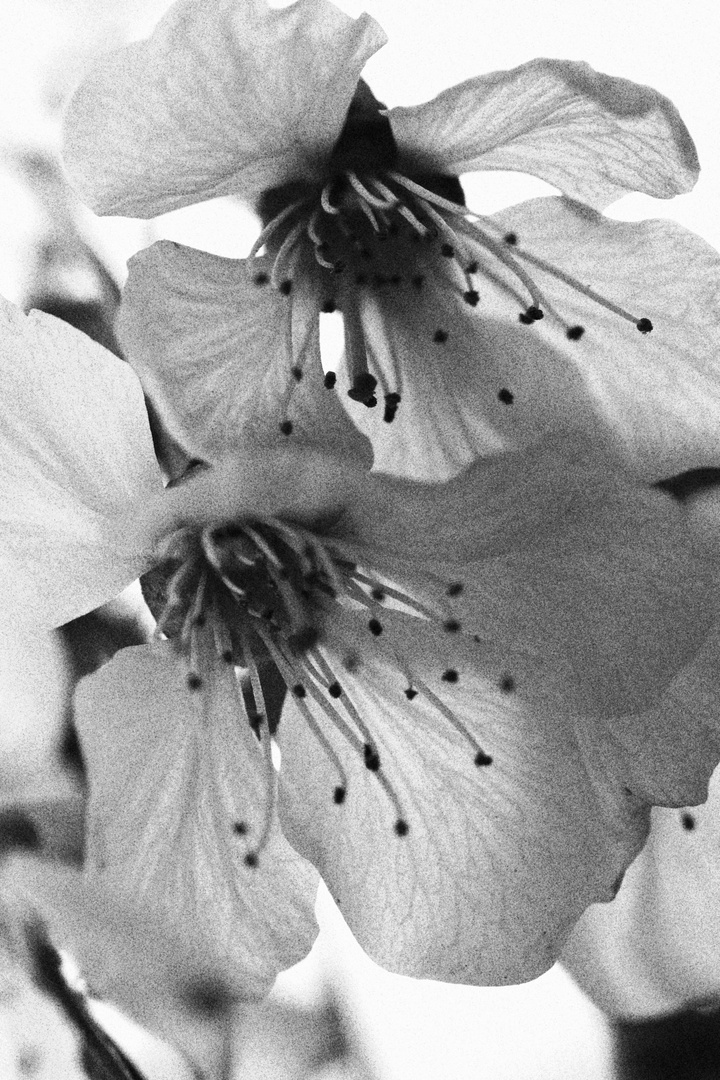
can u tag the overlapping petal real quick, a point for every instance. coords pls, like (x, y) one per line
(225, 97)
(501, 855)
(215, 346)
(495, 383)
(174, 778)
(654, 949)
(76, 452)
(593, 136)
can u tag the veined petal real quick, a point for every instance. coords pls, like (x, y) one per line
(498, 861)
(176, 779)
(593, 136)
(491, 383)
(75, 452)
(215, 346)
(659, 392)
(225, 97)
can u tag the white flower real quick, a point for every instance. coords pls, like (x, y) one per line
(363, 212)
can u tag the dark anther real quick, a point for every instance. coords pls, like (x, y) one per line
(451, 625)
(328, 307)
(330, 380)
(335, 690)
(411, 693)
(440, 336)
(534, 313)
(472, 297)
(481, 758)
(363, 387)
(378, 594)
(472, 268)
(200, 621)
(286, 427)
(227, 656)
(297, 374)
(688, 822)
(418, 281)
(194, 681)
(286, 287)
(454, 588)
(339, 795)
(251, 860)
(372, 758)
(507, 684)
(506, 396)
(375, 628)
(401, 827)
(261, 279)
(511, 238)
(644, 326)
(575, 333)
(299, 690)
(240, 828)
(395, 279)
(450, 675)
(392, 400)
(447, 250)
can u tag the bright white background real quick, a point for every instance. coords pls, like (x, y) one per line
(544, 1031)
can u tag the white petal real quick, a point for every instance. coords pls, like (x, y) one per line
(215, 352)
(75, 450)
(499, 861)
(655, 949)
(225, 97)
(496, 384)
(171, 774)
(593, 136)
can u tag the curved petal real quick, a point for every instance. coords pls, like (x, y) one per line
(172, 773)
(493, 383)
(215, 345)
(498, 862)
(225, 97)
(75, 450)
(654, 950)
(593, 136)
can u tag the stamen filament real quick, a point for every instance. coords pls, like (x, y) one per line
(272, 226)
(373, 200)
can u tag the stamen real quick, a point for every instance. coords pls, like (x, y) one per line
(325, 200)
(381, 203)
(278, 278)
(479, 755)
(272, 226)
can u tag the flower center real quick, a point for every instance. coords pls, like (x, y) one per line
(258, 593)
(373, 233)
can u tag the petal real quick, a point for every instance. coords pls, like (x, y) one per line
(163, 978)
(498, 862)
(75, 450)
(496, 383)
(215, 352)
(593, 136)
(557, 553)
(655, 948)
(223, 98)
(171, 774)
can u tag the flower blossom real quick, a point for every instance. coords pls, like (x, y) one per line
(474, 668)
(76, 457)
(464, 334)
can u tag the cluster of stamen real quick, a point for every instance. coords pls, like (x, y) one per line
(259, 592)
(375, 234)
